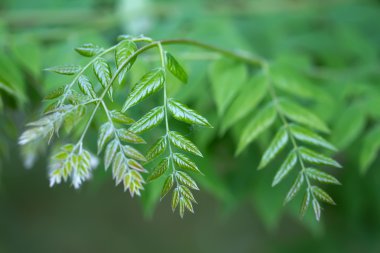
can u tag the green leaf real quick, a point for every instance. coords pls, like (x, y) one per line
(305, 203)
(130, 137)
(301, 115)
(119, 117)
(246, 101)
(159, 170)
(133, 153)
(88, 50)
(148, 84)
(321, 176)
(186, 193)
(317, 209)
(86, 87)
(186, 180)
(187, 203)
(263, 120)
(175, 68)
(183, 113)
(123, 51)
(227, 77)
(119, 167)
(370, 148)
(315, 158)
(285, 168)
(277, 144)
(110, 153)
(167, 186)
(103, 73)
(150, 120)
(322, 195)
(305, 135)
(105, 133)
(295, 188)
(183, 143)
(348, 126)
(65, 70)
(184, 162)
(181, 207)
(175, 199)
(135, 165)
(55, 93)
(157, 149)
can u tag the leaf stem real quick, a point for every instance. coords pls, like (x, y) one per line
(162, 57)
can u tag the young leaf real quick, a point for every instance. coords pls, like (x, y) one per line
(159, 170)
(302, 115)
(119, 168)
(122, 53)
(186, 193)
(175, 199)
(65, 70)
(55, 93)
(182, 113)
(285, 168)
(110, 153)
(167, 186)
(277, 144)
(315, 158)
(295, 188)
(181, 207)
(317, 209)
(183, 143)
(103, 73)
(263, 120)
(321, 176)
(148, 84)
(88, 50)
(307, 136)
(133, 153)
(186, 180)
(305, 204)
(119, 117)
(184, 162)
(86, 87)
(132, 164)
(105, 133)
(157, 149)
(130, 137)
(322, 195)
(175, 68)
(149, 120)
(187, 203)
(248, 98)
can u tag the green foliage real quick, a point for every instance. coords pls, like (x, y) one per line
(114, 138)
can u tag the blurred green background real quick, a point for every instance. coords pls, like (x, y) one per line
(337, 45)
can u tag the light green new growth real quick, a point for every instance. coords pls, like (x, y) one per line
(119, 133)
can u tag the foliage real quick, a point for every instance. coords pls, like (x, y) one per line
(326, 64)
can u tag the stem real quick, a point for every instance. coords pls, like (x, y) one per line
(286, 125)
(231, 54)
(162, 57)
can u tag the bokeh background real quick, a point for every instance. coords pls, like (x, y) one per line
(238, 210)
